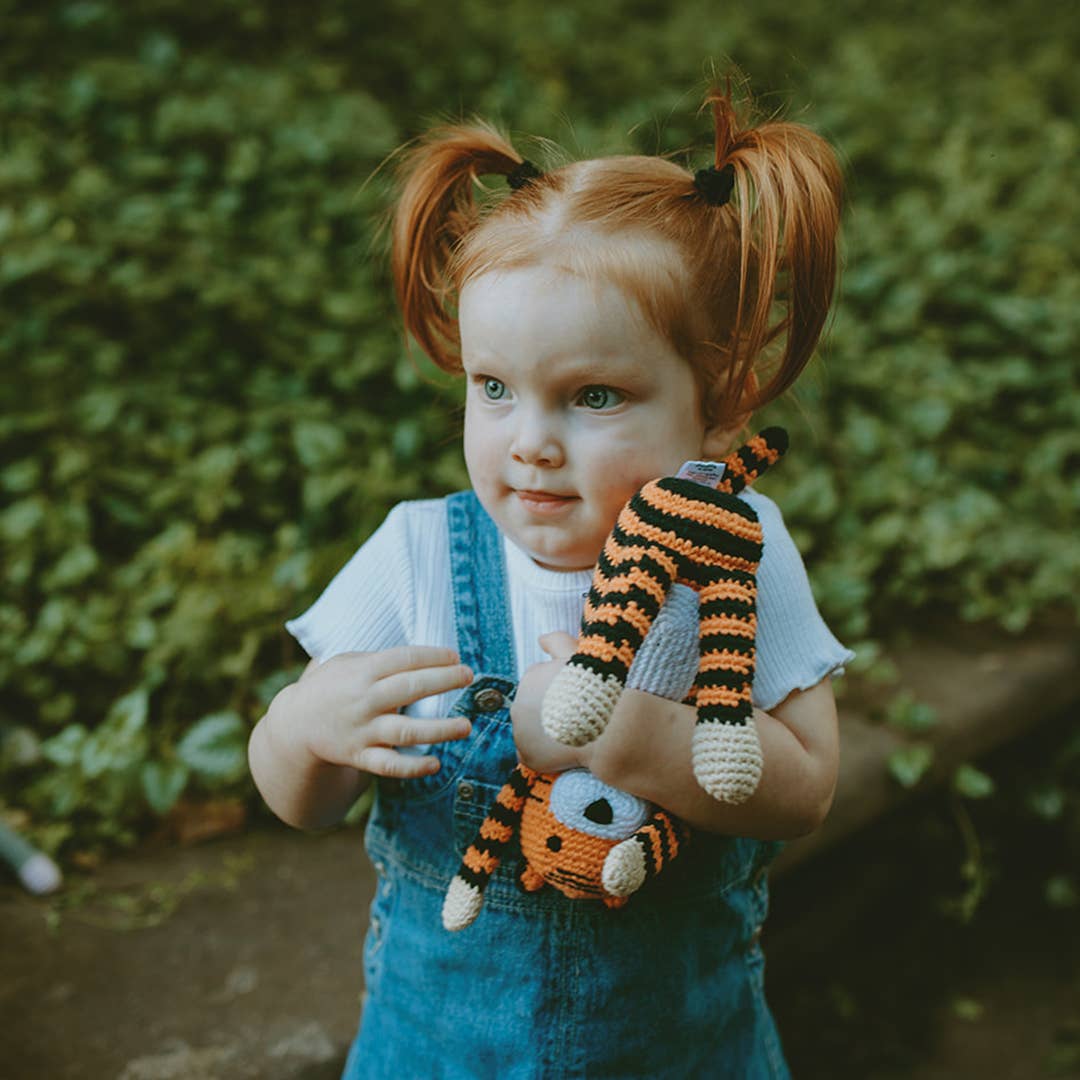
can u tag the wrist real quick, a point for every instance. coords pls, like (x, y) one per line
(284, 732)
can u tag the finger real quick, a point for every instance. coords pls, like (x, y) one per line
(408, 658)
(404, 687)
(384, 761)
(394, 729)
(557, 645)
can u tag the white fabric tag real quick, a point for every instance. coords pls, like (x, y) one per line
(709, 473)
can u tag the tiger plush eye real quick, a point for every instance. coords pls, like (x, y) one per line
(582, 803)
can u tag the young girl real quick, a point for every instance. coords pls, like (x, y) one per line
(614, 318)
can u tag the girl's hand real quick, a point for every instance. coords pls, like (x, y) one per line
(345, 711)
(535, 747)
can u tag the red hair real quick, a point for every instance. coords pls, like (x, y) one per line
(734, 288)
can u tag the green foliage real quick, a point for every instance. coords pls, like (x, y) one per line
(972, 783)
(905, 713)
(909, 764)
(208, 405)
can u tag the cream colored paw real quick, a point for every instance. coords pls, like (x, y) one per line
(461, 905)
(578, 705)
(727, 760)
(624, 869)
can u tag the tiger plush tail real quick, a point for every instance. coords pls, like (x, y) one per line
(465, 896)
(678, 530)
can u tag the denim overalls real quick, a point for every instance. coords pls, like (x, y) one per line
(542, 986)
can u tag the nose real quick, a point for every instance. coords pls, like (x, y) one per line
(536, 442)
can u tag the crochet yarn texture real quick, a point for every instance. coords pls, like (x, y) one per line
(581, 836)
(577, 834)
(676, 530)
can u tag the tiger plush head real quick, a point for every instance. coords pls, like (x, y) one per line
(576, 834)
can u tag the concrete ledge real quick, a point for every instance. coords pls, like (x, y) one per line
(986, 690)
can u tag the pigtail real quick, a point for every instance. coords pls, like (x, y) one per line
(436, 210)
(788, 185)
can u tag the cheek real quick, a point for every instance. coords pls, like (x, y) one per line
(628, 464)
(477, 444)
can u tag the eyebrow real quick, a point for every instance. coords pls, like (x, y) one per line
(614, 368)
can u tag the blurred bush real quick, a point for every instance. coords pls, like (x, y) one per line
(208, 403)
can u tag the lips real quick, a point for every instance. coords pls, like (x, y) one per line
(544, 502)
(544, 496)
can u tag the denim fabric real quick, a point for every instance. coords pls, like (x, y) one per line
(541, 986)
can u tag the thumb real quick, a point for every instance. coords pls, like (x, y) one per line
(558, 646)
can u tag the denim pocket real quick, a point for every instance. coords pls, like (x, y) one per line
(375, 940)
(487, 705)
(473, 800)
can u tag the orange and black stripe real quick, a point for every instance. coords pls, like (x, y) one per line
(678, 530)
(498, 829)
(660, 840)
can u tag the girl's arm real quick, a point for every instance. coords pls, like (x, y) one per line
(646, 750)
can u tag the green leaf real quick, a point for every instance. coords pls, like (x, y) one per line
(972, 783)
(1060, 892)
(163, 782)
(128, 713)
(65, 748)
(909, 764)
(318, 443)
(1047, 801)
(905, 713)
(965, 1008)
(215, 748)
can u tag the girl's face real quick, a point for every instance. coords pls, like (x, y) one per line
(574, 401)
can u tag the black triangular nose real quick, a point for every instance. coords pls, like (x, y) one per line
(600, 811)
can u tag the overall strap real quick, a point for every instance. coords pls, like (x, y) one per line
(485, 634)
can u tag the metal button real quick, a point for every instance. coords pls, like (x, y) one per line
(489, 699)
(466, 790)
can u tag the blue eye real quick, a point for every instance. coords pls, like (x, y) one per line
(493, 389)
(600, 397)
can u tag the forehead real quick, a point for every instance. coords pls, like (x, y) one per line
(545, 312)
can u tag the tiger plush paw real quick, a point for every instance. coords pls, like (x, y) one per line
(578, 704)
(727, 760)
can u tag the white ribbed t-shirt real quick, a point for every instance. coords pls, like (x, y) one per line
(396, 591)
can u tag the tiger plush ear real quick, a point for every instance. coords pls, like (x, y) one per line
(644, 855)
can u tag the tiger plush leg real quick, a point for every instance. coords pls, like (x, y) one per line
(727, 757)
(631, 580)
(644, 855)
(726, 751)
(465, 896)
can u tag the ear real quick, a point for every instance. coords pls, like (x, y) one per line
(719, 438)
(718, 441)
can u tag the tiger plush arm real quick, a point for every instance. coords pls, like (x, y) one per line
(678, 530)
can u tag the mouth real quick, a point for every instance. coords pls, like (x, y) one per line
(544, 502)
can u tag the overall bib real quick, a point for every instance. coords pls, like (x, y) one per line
(540, 986)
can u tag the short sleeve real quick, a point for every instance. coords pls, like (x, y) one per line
(368, 605)
(795, 649)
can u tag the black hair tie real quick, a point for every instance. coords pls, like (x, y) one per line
(715, 184)
(522, 175)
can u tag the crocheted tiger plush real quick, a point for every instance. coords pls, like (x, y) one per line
(677, 529)
(576, 833)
